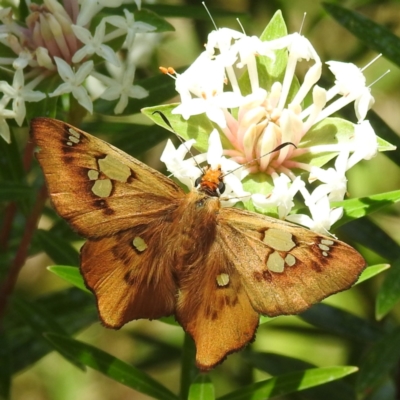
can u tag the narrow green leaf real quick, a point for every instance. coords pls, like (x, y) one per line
(277, 364)
(371, 236)
(12, 191)
(372, 271)
(57, 248)
(357, 208)
(389, 293)
(289, 383)
(70, 274)
(202, 388)
(71, 308)
(110, 366)
(342, 323)
(386, 133)
(41, 322)
(377, 363)
(373, 35)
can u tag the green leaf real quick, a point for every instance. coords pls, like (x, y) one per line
(41, 322)
(12, 191)
(277, 364)
(72, 309)
(269, 70)
(389, 293)
(58, 249)
(373, 35)
(198, 127)
(341, 322)
(381, 358)
(202, 389)
(71, 275)
(289, 383)
(151, 18)
(110, 366)
(357, 208)
(386, 133)
(371, 236)
(372, 271)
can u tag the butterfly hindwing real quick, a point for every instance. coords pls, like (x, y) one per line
(97, 188)
(285, 268)
(128, 277)
(214, 309)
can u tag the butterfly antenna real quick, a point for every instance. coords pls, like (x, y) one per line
(165, 119)
(280, 147)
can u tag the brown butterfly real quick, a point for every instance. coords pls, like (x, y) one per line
(154, 251)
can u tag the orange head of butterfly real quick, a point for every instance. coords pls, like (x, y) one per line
(211, 182)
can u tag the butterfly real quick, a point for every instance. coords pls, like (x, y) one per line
(153, 250)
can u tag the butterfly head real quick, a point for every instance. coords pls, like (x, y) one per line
(211, 182)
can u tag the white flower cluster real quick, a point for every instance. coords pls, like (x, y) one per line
(256, 120)
(56, 40)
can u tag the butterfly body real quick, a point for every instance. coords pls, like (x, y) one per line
(153, 250)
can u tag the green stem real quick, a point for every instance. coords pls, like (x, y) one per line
(189, 370)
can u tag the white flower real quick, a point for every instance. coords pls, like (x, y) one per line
(322, 217)
(205, 79)
(129, 26)
(73, 82)
(350, 83)
(365, 145)
(19, 94)
(121, 88)
(186, 171)
(93, 44)
(282, 195)
(334, 180)
(5, 114)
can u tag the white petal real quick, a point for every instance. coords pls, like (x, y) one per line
(214, 152)
(83, 98)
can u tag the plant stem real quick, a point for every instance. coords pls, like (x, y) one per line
(8, 285)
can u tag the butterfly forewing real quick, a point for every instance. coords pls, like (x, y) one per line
(96, 187)
(285, 268)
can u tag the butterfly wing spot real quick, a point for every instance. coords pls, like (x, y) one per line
(139, 244)
(290, 260)
(102, 188)
(114, 169)
(222, 280)
(74, 133)
(93, 174)
(102, 204)
(279, 239)
(275, 262)
(325, 246)
(130, 279)
(73, 138)
(260, 276)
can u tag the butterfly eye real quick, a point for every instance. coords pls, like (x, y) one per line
(197, 181)
(221, 187)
